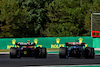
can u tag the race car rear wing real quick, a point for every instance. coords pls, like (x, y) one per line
(74, 44)
(25, 44)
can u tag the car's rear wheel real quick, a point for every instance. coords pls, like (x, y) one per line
(43, 53)
(40, 52)
(37, 50)
(13, 52)
(89, 52)
(62, 52)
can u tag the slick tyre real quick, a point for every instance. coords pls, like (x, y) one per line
(37, 52)
(43, 53)
(89, 52)
(13, 52)
(62, 52)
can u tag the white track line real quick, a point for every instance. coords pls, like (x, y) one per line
(4, 52)
(97, 49)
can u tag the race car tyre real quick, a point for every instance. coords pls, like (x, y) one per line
(37, 52)
(89, 52)
(62, 52)
(40, 52)
(13, 52)
(44, 53)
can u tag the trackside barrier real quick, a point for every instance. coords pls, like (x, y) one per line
(96, 42)
(48, 42)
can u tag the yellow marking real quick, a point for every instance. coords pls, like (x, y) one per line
(80, 40)
(25, 52)
(35, 41)
(13, 41)
(61, 45)
(16, 46)
(34, 46)
(39, 45)
(57, 40)
(57, 46)
(86, 45)
(9, 46)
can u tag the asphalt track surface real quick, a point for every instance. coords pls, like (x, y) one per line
(52, 59)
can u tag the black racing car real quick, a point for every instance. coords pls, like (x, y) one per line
(76, 49)
(27, 50)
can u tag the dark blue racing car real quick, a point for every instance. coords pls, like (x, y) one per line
(27, 50)
(76, 49)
